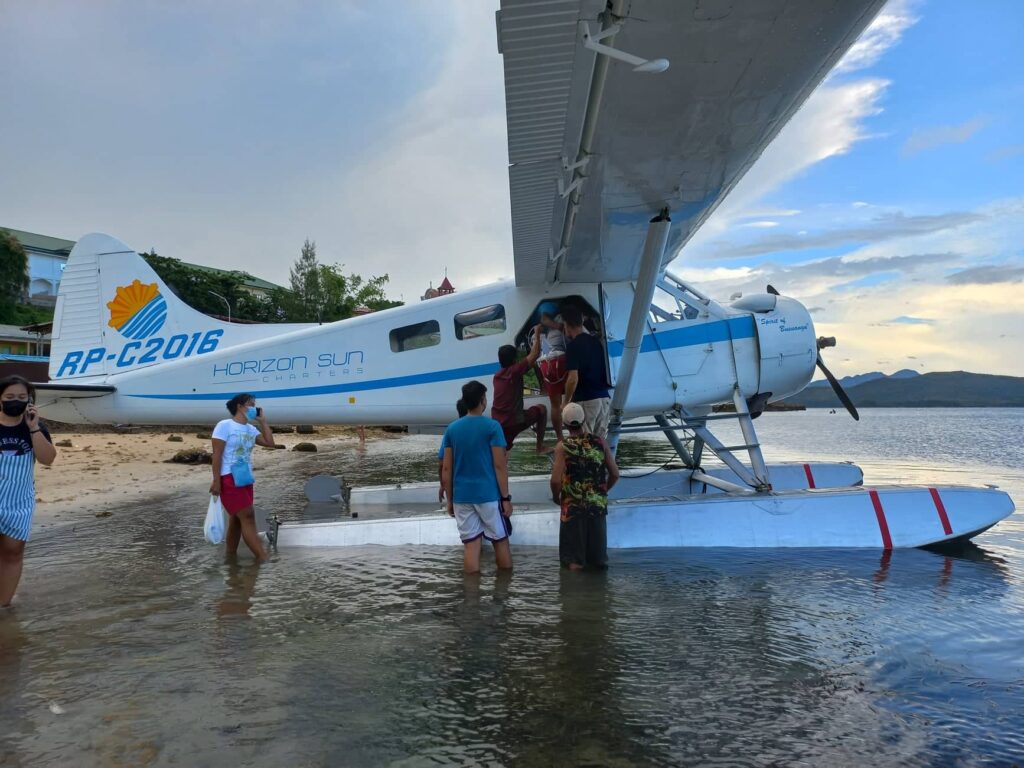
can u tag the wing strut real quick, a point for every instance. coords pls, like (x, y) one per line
(643, 293)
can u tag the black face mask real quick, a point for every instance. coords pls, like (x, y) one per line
(14, 407)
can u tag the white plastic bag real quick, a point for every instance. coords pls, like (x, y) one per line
(215, 525)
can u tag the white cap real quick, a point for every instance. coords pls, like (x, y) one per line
(573, 415)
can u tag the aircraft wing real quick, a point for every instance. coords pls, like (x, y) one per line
(641, 142)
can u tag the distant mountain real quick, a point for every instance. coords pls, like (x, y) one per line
(864, 378)
(928, 390)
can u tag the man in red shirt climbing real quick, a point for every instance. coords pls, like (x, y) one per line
(507, 406)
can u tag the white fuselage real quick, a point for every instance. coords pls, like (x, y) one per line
(374, 370)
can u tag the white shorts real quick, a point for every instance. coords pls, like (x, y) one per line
(596, 412)
(476, 520)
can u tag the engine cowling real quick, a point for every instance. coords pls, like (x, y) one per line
(786, 343)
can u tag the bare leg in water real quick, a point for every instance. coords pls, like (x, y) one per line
(242, 525)
(503, 555)
(471, 556)
(12, 552)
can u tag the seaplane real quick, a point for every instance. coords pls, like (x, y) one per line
(629, 122)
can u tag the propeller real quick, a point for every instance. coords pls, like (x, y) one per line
(830, 341)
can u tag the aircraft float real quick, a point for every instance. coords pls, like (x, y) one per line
(628, 123)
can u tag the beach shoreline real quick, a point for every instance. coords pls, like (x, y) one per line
(105, 469)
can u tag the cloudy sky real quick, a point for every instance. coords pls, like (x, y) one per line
(226, 133)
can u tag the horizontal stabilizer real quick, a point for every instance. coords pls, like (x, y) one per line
(48, 393)
(114, 314)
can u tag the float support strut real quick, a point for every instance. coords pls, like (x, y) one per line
(676, 442)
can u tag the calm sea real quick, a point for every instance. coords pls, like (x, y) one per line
(134, 644)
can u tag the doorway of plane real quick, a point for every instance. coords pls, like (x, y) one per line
(553, 307)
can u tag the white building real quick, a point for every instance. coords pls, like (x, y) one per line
(46, 259)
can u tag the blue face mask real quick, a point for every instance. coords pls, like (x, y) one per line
(250, 412)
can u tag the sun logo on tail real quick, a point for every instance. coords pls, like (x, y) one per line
(138, 310)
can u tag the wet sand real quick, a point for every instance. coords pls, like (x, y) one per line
(104, 469)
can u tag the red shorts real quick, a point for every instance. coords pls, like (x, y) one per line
(553, 371)
(233, 498)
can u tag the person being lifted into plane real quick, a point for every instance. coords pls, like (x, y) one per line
(585, 382)
(552, 364)
(476, 480)
(507, 409)
(583, 472)
(233, 440)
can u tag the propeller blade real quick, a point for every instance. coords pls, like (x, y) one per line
(772, 291)
(838, 389)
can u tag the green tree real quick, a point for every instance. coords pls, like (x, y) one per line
(320, 293)
(13, 275)
(307, 290)
(343, 294)
(202, 288)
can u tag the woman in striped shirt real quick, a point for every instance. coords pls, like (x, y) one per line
(23, 441)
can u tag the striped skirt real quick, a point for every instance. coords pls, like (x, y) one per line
(17, 495)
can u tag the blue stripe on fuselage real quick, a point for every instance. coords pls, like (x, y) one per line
(359, 386)
(691, 336)
(705, 333)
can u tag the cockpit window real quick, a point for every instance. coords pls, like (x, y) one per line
(665, 307)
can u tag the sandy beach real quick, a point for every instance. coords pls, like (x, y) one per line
(103, 469)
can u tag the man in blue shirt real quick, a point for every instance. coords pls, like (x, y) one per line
(461, 409)
(586, 381)
(475, 477)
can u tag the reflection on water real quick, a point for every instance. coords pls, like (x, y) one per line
(136, 644)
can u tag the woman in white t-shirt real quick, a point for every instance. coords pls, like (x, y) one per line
(233, 440)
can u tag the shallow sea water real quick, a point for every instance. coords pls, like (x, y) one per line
(133, 643)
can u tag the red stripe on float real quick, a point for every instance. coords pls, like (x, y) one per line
(883, 526)
(810, 477)
(942, 511)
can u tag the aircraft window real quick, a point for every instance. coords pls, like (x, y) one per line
(427, 334)
(665, 307)
(486, 321)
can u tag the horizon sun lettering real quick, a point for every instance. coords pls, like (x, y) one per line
(290, 364)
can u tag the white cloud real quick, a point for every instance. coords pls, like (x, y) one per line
(433, 191)
(964, 282)
(888, 226)
(881, 35)
(829, 123)
(771, 213)
(925, 139)
(1008, 152)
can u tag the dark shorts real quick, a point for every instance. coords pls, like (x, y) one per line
(233, 497)
(513, 429)
(583, 540)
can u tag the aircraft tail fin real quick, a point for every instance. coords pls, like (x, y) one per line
(114, 314)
